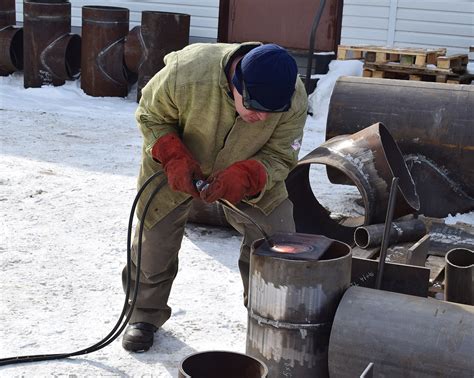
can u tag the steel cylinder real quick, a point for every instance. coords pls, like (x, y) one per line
(401, 231)
(51, 54)
(218, 364)
(146, 46)
(294, 291)
(369, 159)
(7, 13)
(459, 276)
(433, 120)
(11, 39)
(104, 30)
(402, 335)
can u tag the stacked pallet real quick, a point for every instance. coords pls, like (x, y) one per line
(409, 63)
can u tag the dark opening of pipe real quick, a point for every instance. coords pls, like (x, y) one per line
(16, 50)
(73, 56)
(460, 257)
(362, 237)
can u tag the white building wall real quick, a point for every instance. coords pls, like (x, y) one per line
(416, 23)
(204, 13)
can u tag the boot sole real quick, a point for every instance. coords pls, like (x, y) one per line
(135, 347)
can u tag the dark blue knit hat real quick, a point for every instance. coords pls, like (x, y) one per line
(266, 75)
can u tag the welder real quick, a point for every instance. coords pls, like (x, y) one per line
(232, 115)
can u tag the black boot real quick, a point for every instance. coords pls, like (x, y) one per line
(138, 337)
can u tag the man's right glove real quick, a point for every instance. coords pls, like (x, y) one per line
(179, 165)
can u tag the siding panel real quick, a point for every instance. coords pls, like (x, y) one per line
(417, 23)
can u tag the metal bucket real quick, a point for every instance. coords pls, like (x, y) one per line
(51, 54)
(295, 289)
(146, 45)
(403, 335)
(459, 277)
(220, 364)
(103, 35)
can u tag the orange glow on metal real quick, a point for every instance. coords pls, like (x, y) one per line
(288, 248)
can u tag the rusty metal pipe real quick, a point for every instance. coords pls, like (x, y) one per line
(11, 39)
(52, 54)
(103, 35)
(429, 120)
(369, 159)
(146, 46)
(401, 231)
(403, 335)
(218, 364)
(459, 276)
(7, 13)
(294, 291)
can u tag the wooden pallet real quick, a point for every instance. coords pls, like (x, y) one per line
(397, 71)
(457, 63)
(380, 54)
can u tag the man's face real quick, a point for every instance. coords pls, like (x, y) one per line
(248, 115)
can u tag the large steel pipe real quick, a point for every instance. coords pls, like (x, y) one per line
(52, 54)
(369, 159)
(219, 364)
(401, 231)
(433, 120)
(103, 35)
(404, 336)
(7, 13)
(295, 288)
(146, 46)
(459, 276)
(11, 39)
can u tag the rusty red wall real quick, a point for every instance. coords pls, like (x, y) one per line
(286, 22)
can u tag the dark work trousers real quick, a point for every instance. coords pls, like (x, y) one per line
(161, 244)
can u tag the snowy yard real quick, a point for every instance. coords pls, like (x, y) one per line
(68, 172)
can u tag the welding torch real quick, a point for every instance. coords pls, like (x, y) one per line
(202, 185)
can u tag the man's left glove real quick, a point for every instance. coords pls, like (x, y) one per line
(179, 165)
(241, 179)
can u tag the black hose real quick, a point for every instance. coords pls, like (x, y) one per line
(119, 327)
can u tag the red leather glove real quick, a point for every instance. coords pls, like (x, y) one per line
(241, 179)
(178, 163)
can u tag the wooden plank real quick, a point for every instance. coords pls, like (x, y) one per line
(415, 77)
(392, 50)
(436, 265)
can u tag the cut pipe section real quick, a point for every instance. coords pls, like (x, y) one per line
(402, 231)
(11, 39)
(403, 335)
(459, 276)
(368, 159)
(52, 54)
(218, 364)
(294, 290)
(103, 35)
(432, 120)
(146, 46)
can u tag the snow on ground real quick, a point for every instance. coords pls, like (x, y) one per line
(67, 180)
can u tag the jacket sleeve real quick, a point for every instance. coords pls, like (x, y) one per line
(280, 154)
(157, 113)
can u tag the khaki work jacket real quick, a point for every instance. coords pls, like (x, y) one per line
(190, 96)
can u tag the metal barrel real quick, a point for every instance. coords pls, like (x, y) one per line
(293, 297)
(429, 120)
(159, 34)
(459, 276)
(7, 13)
(103, 35)
(401, 231)
(218, 364)
(368, 159)
(403, 335)
(51, 53)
